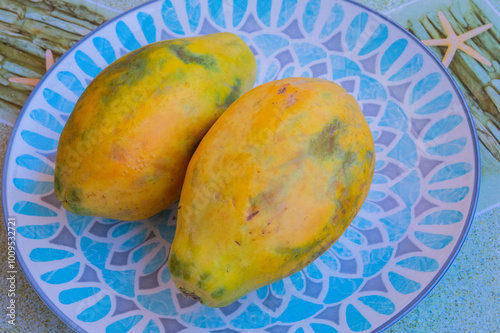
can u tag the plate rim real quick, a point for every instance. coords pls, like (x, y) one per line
(387, 324)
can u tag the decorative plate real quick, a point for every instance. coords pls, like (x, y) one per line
(102, 275)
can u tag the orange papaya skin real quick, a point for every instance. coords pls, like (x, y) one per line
(125, 148)
(273, 184)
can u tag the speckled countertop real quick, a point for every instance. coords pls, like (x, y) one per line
(467, 299)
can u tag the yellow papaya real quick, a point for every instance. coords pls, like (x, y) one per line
(125, 148)
(273, 184)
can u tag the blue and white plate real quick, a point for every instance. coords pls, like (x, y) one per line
(103, 275)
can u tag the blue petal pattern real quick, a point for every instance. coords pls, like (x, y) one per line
(38, 231)
(33, 186)
(252, 317)
(270, 43)
(193, 10)
(442, 217)
(419, 263)
(424, 86)
(124, 325)
(95, 252)
(394, 117)
(355, 29)
(392, 54)
(449, 148)
(170, 18)
(148, 26)
(78, 223)
(86, 64)
(71, 82)
(38, 141)
(451, 194)
(73, 295)
(451, 171)
(151, 327)
(33, 163)
(61, 275)
(341, 288)
(264, 11)
(439, 103)
(433, 241)
(413, 66)
(160, 303)
(239, 9)
(381, 304)
(215, 8)
(134, 241)
(57, 101)
(442, 127)
(334, 19)
(104, 47)
(402, 284)
(49, 254)
(122, 282)
(374, 260)
(203, 317)
(376, 39)
(32, 209)
(322, 328)
(156, 262)
(126, 36)
(97, 311)
(286, 11)
(343, 67)
(355, 320)
(408, 188)
(310, 15)
(298, 309)
(405, 151)
(143, 251)
(307, 53)
(46, 119)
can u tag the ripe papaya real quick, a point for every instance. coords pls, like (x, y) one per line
(125, 148)
(273, 184)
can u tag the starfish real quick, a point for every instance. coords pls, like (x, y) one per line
(455, 42)
(49, 61)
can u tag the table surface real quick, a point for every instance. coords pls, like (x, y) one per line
(467, 299)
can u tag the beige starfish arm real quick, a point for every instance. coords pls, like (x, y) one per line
(446, 25)
(24, 80)
(473, 53)
(49, 59)
(475, 32)
(436, 42)
(448, 56)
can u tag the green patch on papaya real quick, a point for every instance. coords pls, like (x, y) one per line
(131, 72)
(218, 293)
(233, 95)
(188, 57)
(202, 280)
(177, 268)
(58, 185)
(323, 145)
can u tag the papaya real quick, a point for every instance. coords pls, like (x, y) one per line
(124, 150)
(273, 184)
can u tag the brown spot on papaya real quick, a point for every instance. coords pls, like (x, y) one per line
(282, 89)
(190, 295)
(249, 217)
(290, 100)
(237, 243)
